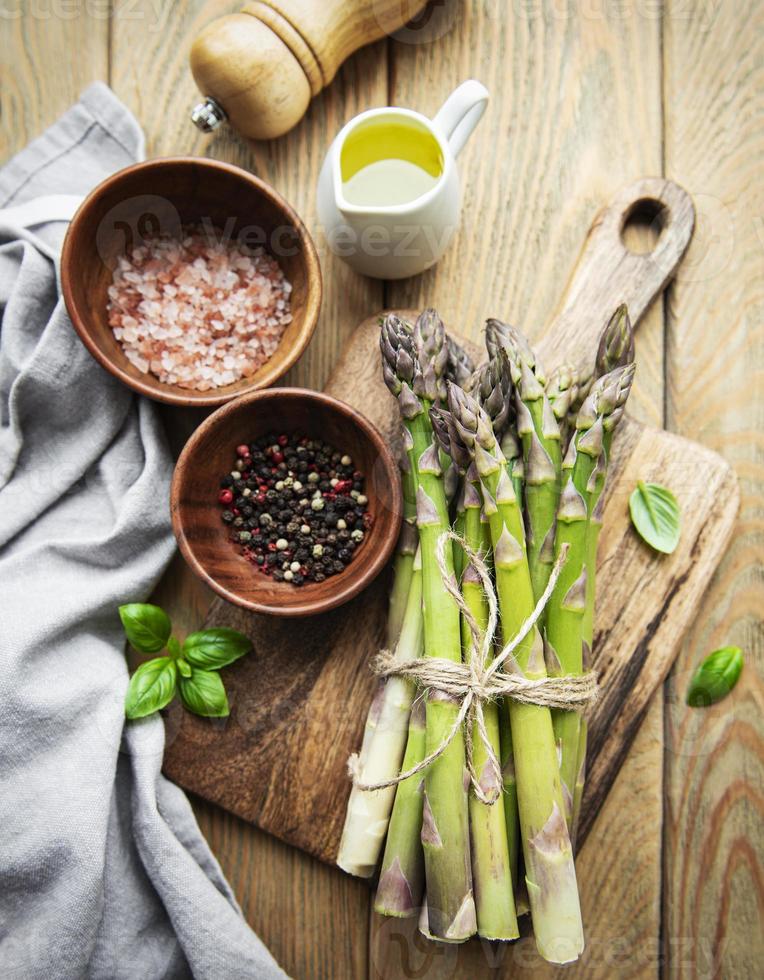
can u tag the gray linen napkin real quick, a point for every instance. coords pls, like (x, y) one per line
(103, 869)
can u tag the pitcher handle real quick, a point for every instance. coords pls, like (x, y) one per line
(461, 112)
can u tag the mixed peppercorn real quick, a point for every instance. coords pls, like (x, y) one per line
(295, 506)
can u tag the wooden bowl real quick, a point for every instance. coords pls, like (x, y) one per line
(160, 196)
(196, 515)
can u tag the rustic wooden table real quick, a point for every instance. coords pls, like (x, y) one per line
(586, 96)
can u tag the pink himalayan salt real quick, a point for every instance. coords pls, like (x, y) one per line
(199, 313)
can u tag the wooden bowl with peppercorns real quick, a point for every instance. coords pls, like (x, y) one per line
(286, 502)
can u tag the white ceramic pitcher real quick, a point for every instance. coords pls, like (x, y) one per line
(388, 194)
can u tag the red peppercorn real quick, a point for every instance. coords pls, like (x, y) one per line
(343, 486)
(283, 440)
(277, 458)
(225, 497)
(242, 451)
(271, 546)
(260, 498)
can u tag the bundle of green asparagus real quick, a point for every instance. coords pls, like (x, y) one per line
(503, 477)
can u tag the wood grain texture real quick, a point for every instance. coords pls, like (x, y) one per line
(33, 40)
(576, 112)
(714, 836)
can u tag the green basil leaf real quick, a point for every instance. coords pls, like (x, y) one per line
(215, 648)
(204, 694)
(715, 677)
(655, 515)
(147, 627)
(152, 686)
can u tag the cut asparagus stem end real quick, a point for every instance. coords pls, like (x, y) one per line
(553, 892)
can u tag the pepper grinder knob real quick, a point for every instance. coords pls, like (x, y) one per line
(208, 115)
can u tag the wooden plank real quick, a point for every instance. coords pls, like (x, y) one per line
(39, 76)
(714, 835)
(575, 113)
(276, 885)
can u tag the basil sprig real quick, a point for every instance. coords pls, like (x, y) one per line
(188, 669)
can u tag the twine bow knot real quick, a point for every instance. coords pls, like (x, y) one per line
(480, 678)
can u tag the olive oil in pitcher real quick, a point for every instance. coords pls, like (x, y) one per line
(388, 162)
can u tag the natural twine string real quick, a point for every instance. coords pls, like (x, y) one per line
(480, 678)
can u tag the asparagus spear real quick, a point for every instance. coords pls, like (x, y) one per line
(414, 373)
(616, 349)
(542, 458)
(404, 555)
(491, 864)
(407, 545)
(616, 346)
(401, 879)
(585, 466)
(491, 385)
(490, 825)
(550, 872)
(483, 385)
(383, 747)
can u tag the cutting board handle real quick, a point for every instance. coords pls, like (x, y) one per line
(609, 273)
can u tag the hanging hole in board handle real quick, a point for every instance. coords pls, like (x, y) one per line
(460, 113)
(667, 211)
(643, 224)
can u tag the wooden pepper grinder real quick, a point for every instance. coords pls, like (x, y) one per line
(260, 68)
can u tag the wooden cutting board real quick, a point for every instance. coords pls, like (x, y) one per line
(298, 701)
